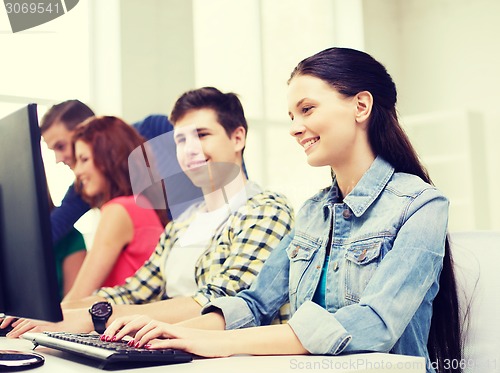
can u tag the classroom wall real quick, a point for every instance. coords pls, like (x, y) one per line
(444, 55)
(135, 57)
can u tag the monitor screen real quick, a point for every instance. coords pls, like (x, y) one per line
(28, 280)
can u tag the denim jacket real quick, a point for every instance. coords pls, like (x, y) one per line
(386, 253)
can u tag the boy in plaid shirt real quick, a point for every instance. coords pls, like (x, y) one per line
(217, 246)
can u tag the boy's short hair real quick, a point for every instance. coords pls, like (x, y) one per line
(70, 113)
(227, 107)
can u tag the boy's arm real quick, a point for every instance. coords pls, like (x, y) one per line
(250, 236)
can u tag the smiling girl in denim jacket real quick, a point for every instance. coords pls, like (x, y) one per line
(368, 267)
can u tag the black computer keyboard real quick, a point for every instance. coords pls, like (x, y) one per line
(108, 354)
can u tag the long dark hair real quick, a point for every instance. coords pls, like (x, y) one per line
(349, 72)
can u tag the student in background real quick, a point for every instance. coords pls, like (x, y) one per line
(127, 233)
(57, 126)
(368, 267)
(69, 254)
(216, 247)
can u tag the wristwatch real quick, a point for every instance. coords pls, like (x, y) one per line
(100, 312)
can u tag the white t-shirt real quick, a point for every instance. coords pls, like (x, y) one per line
(180, 264)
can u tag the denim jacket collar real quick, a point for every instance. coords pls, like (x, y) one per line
(366, 190)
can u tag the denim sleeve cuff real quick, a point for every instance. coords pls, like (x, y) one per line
(318, 330)
(236, 312)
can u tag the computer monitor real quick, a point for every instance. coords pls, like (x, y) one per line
(28, 280)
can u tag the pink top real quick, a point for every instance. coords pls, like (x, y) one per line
(147, 231)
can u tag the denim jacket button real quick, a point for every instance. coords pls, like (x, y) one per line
(346, 214)
(335, 266)
(295, 252)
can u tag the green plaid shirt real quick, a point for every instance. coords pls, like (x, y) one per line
(231, 262)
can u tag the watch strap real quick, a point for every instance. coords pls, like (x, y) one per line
(99, 325)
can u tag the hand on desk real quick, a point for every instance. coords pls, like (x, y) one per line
(152, 334)
(5, 330)
(73, 322)
(6, 325)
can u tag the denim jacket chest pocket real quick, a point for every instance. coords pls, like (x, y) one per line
(301, 253)
(361, 260)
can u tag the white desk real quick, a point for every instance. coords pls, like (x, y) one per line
(58, 361)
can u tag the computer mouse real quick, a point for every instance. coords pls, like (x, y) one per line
(4, 331)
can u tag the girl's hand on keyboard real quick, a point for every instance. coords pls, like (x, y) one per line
(152, 334)
(262, 340)
(124, 326)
